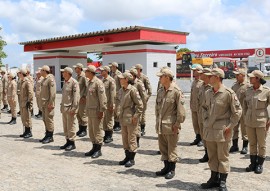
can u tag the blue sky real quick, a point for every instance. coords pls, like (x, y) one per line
(212, 24)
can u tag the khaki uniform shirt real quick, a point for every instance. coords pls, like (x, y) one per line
(114, 75)
(138, 84)
(201, 99)
(5, 83)
(146, 84)
(48, 91)
(26, 92)
(255, 106)
(38, 86)
(196, 84)
(82, 84)
(110, 90)
(70, 96)
(130, 105)
(240, 90)
(11, 91)
(18, 86)
(96, 100)
(31, 79)
(221, 109)
(169, 109)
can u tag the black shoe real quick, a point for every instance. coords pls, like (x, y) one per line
(39, 115)
(245, 148)
(234, 147)
(131, 160)
(24, 133)
(80, 130)
(46, 134)
(97, 152)
(91, 152)
(19, 113)
(253, 163)
(222, 185)
(49, 138)
(108, 137)
(142, 129)
(83, 132)
(71, 146)
(205, 157)
(171, 171)
(116, 126)
(158, 153)
(138, 142)
(165, 170)
(200, 144)
(126, 159)
(213, 182)
(12, 121)
(65, 145)
(28, 133)
(197, 140)
(9, 111)
(259, 167)
(5, 108)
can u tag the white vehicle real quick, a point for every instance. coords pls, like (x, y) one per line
(264, 67)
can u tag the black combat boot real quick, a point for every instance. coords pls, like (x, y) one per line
(5, 108)
(253, 163)
(131, 160)
(28, 133)
(9, 111)
(91, 152)
(49, 138)
(46, 134)
(205, 157)
(71, 146)
(138, 142)
(259, 166)
(196, 140)
(39, 115)
(12, 121)
(200, 143)
(83, 131)
(24, 133)
(80, 130)
(116, 126)
(65, 145)
(19, 113)
(213, 182)
(142, 129)
(108, 138)
(126, 159)
(97, 152)
(165, 170)
(245, 148)
(234, 147)
(222, 185)
(171, 170)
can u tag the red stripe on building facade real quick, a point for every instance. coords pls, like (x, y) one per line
(53, 57)
(139, 51)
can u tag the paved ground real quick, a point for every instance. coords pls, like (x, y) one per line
(30, 165)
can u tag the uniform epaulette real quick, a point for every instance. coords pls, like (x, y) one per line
(265, 87)
(229, 90)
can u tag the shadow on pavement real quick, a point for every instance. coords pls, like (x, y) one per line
(30, 140)
(239, 170)
(48, 147)
(184, 144)
(83, 139)
(139, 173)
(11, 136)
(148, 152)
(181, 185)
(189, 161)
(61, 134)
(103, 162)
(113, 145)
(149, 137)
(70, 154)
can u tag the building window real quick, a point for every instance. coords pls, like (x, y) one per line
(169, 64)
(155, 65)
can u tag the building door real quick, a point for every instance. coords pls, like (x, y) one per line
(122, 67)
(62, 79)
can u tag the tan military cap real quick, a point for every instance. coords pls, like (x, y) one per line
(114, 64)
(138, 66)
(3, 70)
(256, 73)
(240, 71)
(67, 69)
(205, 70)
(38, 72)
(126, 75)
(78, 65)
(133, 71)
(45, 68)
(106, 68)
(166, 72)
(216, 72)
(11, 75)
(198, 67)
(23, 71)
(90, 68)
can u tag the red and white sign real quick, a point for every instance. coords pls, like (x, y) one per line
(260, 55)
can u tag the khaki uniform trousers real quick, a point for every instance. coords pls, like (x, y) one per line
(48, 118)
(201, 133)
(257, 140)
(69, 125)
(143, 114)
(95, 128)
(12, 105)
(129, 137)
(81, 115)
(4, 99)
(26, 117)
(108, 120)
(195, 122)
(116, 112)
(38, 103)
(218, 153)
(243, 130)
(168, 146)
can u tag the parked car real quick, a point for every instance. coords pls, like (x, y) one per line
(252, 68)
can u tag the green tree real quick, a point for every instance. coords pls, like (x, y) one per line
(184, 50)
(99, 55)
(2, 53)
(89, 60)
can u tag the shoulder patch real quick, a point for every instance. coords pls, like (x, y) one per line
(230, 90)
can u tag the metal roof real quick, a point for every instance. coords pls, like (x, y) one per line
(102, 32)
